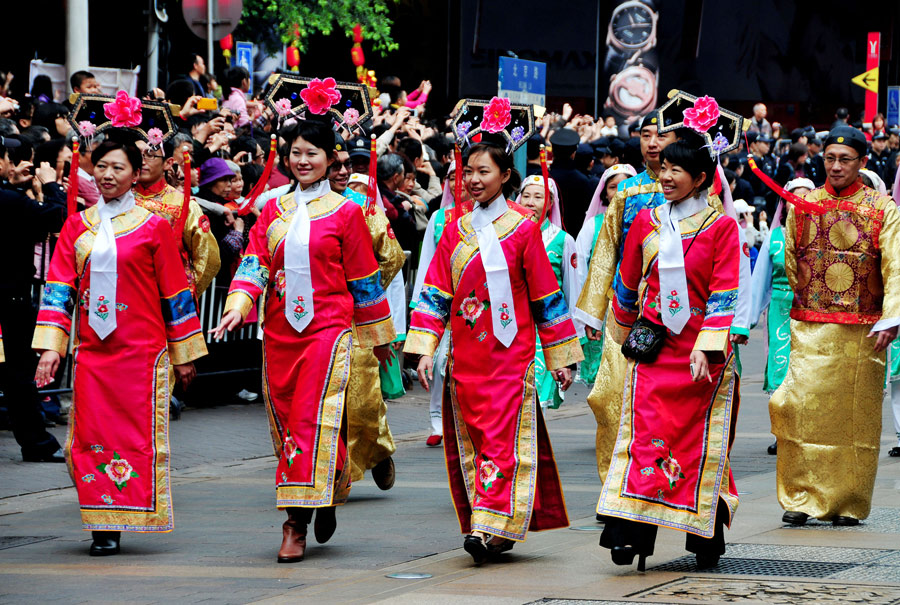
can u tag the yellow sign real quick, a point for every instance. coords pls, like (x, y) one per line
(868, 80)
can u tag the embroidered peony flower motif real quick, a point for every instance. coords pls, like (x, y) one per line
(97, 448)
(471, 308)
(290, 449)
(671, 469)
(86, 128)
(462, 129)
(106, 498)
(703, 115)
(155, 137)
(88, 478)
(283, 107)
(496, 115)
(517, 134)
(280, 284)
(118, 470)
(351, 117)
(719, 143)
(488, 472)
(125, 111)
(320, 95)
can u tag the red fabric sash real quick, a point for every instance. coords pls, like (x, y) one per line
(260, 185)
(72, 193)
(798, 202)
(186, 202)
(371, 192)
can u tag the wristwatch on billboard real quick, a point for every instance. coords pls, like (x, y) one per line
(631, 58)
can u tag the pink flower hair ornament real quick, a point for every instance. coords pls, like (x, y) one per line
(703, 115)
(283, 107)
(320, 95)
(497, 115)
(351, 117)
(155, 137)
(125, 111)
(87, 128)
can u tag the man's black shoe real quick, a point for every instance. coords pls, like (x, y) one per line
(56, 456)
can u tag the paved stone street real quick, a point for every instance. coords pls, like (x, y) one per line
(228, 531)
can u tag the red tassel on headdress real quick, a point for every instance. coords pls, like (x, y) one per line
(371, 191)
(546, 174)
(458, 175)
(72, 193)
(186, 201)
(260, 185)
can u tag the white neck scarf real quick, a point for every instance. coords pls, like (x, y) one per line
(503, 313)
(675, 306)
(298, 305)
(104, 274)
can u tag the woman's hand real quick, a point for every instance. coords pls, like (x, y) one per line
(426, 364)
(231, 320)
(46, 368)
(564, 377)
(593, 334)
(185, 374)
(383, 355)
(699, 366)
(738, 339)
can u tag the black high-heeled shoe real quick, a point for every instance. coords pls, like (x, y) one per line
(707, 561)
(475, 547)
(105, 543)
(624, 555)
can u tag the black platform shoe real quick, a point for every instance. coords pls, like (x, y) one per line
(841, 521)
(772, 450)
(475, 547)
(105, 543)
(707, 561)
(794, 518)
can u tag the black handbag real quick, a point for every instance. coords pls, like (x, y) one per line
(645, 341)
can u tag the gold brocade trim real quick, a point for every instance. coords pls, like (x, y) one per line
(616, 331)
(605, 399)
(188, 350)
(238, 301)
(122, 225)
(388, 252)
(523, 485)
(369, 437)
(712, 339)
(563, 354)
(375, 334)
(330, 486)
(420, 343)
(51, 338)
(713, 480)
(161, 519)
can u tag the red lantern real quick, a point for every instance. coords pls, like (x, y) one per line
(356, 53)
(357, 33)
(226, 43)
(293, 57)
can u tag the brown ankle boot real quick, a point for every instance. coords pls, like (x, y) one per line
(293, 543)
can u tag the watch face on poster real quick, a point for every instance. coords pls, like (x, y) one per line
(632, 24)
(633, 91)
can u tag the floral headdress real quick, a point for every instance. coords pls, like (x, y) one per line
(343, 103)
(496, 120)
(722, 129)
(151, 121)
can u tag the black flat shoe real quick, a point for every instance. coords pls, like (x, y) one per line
(794, 518)
(707, 561)
(325, 524)
(497, 546)
(624, 555)
(894, 452)
(601, 518)
(475, 547)
(840, 521)
(105, 543)
(772, 450)
(56, 456)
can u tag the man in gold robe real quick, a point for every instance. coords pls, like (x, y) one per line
(841, 259)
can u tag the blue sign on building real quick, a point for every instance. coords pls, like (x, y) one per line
(893, 106)
(243, 56)
(523, 81)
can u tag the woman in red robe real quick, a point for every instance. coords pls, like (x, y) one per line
(320, 292)
(670, 466)
(491, 280)
(134, 317)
